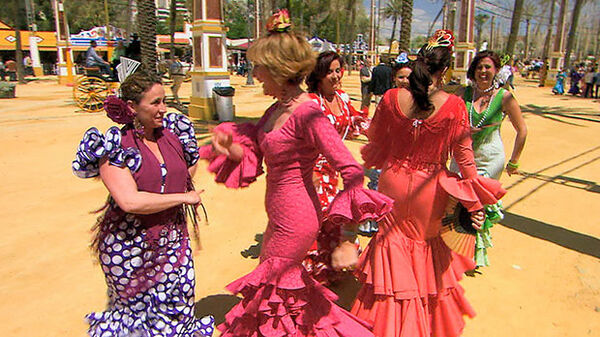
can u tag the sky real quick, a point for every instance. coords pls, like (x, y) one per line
(424, 12)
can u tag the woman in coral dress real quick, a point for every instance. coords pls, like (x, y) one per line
(409, 276)
(324, 84)
(280, 297)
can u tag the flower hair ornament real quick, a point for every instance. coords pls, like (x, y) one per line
(279, 22)
(402, 58)
(441, 38)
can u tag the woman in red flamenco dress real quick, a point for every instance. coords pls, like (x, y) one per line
(409, 275)
(279, 296)
(324, 84)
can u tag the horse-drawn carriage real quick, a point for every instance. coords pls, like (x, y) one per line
(91, 89)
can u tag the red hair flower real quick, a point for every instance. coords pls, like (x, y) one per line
(279, 22)
(441, 38)
(118, 110)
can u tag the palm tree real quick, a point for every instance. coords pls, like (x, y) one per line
(173, 19)
(147, 31)
(480, 20)
(514, 27)
(529, 10)
(573, 31)
(546, 50)
(392, 11)
(405, 25)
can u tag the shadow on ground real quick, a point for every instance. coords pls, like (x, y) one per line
(216, 305)
(253, 252)
(569, 239)
(559, 113)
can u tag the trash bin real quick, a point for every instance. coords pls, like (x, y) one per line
(223, 97)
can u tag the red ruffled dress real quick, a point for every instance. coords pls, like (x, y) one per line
(409, 276)
(280, 297)
(348, 125)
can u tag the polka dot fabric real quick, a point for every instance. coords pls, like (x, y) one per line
(184, 129)
(150, 291)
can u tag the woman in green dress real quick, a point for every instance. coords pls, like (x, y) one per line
(487, 106)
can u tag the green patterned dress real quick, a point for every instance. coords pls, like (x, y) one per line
(489, 158)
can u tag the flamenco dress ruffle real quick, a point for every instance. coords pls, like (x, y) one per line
(280, 298)
(418, 280)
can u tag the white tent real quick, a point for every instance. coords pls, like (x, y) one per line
(320, 45)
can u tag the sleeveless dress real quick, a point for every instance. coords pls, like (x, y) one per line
(409, 276)
(490, 160)
(318, 259)
(146, 259)
(280, 298)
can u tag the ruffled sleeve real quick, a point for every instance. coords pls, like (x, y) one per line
(94, 146)
(359, 119)
(183, 128)
(232, 173)
(354, 204)
(473, 190)
(376, 152)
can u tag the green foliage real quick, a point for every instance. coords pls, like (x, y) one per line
(237, 14)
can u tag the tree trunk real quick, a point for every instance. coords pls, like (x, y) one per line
(129, 14)
(173, 21)
(18, 43)
(405, 25)
(514, 27)
(526, 55)
(393, 33)
(573, 31)
(147, 32)
(546, 50)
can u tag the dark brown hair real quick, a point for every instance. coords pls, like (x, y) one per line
(480, 56)
(321, 69)
(135, 85)
(429, 61)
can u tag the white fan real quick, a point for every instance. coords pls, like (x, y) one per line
(126, 68)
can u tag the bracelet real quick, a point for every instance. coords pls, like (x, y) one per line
(512, 165)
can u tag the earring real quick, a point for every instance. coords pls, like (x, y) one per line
(138, 127)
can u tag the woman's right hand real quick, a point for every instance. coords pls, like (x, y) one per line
(222, 142)
(193, 197)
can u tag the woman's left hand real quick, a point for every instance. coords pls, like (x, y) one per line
(512, 170)
(478, 218)
(344, 256)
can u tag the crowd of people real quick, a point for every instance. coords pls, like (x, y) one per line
(409, 276)
(584, 81)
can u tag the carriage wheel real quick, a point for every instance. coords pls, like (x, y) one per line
(89, 93)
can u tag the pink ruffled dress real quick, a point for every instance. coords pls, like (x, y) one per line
(280, 297)
(409, 276)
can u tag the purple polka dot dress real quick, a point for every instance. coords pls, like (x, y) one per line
(146, 259)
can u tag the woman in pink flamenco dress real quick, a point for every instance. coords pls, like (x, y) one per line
(409, 276)
(279, 296)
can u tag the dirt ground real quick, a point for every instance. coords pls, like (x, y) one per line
(544, 278)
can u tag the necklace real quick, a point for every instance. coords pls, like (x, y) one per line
(484, 114)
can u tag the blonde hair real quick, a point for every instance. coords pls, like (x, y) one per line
(287, 56)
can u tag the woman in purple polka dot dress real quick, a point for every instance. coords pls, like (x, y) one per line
(141, 238)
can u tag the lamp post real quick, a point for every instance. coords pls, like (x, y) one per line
(65, 57)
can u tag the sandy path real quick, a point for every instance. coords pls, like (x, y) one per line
(545, 274)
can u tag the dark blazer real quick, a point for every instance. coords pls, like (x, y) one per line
(381, 79)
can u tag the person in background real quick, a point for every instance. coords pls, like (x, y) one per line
(134, 49)
(93, 60)
(401, 71)
(559, 87)
(177, 74)
(11, 69)
(597, 82)
(2, 70)
(365, 80)
(116, 56)
(588, 79)
(381, 80)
